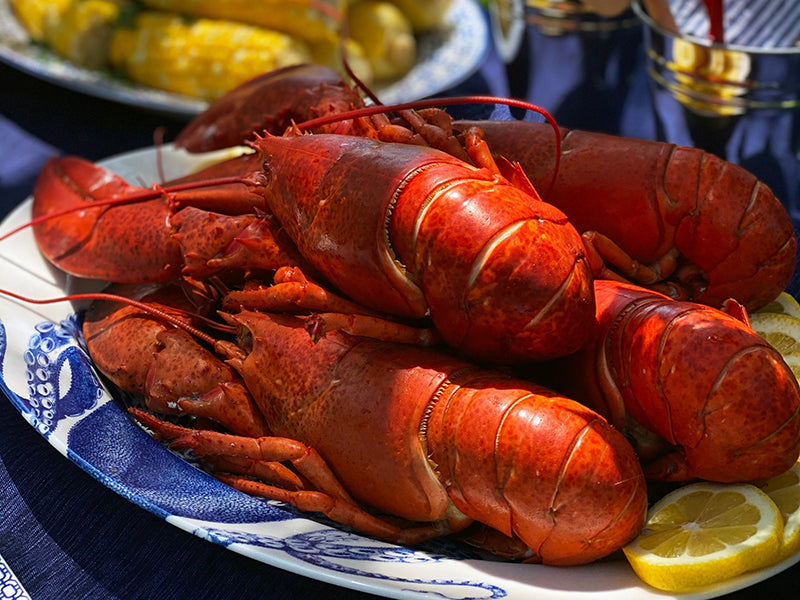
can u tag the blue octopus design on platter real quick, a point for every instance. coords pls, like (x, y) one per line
(325, 548)
(61, 382)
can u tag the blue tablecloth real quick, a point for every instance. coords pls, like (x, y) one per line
(64, 534)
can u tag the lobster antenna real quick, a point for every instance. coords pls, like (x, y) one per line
(168, 317)
(140, 196)
(342, 30)
(158, 143)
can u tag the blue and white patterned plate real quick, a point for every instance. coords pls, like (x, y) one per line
(49, 378)
(445, 59)
(10, 586)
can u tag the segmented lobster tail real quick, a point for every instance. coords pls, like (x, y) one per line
(537, 467)
(723, 400)
(736, 231)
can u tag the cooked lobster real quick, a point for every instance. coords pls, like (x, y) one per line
(405, 431)
(675, 219)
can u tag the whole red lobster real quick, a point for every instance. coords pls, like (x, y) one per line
(700, 394)
(671, 218)
(404, 229)
(360, 422)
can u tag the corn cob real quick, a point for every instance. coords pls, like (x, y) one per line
(386, 36)
(83, 33)
(33, 14)
(203, 58)
(310, 20)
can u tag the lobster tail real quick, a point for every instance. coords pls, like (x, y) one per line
(743, 243)
(537, 466)
(723, 400)
(504, 273)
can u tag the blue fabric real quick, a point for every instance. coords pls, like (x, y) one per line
(64, 534)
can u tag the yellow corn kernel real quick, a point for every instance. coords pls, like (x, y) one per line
(33, 14)
(203, 58)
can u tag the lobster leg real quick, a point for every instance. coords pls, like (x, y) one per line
(290, 291)
(603, 251)
(327, 496)
(376, 328)
(350, 515)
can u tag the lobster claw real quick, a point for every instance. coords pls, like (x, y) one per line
(82, 234)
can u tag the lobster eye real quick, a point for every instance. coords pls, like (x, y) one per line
(266, 172)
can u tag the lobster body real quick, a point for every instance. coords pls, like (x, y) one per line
(501, 273)
(403, 229)
(410, 430)
(721, 397)
(702, 224)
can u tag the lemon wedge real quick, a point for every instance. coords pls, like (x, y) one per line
(785, 303)
(782, 331)
(704, 533)
(793, 361)
(784, 490)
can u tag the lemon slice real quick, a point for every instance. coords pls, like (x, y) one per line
(793, 361)
(704, 533)
(785, 303)
(782, 331)
(784, 489)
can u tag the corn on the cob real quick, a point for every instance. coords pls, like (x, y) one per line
(310, 20)
(83, 33)
(33, 14)
(385, 33)
(203, 58)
